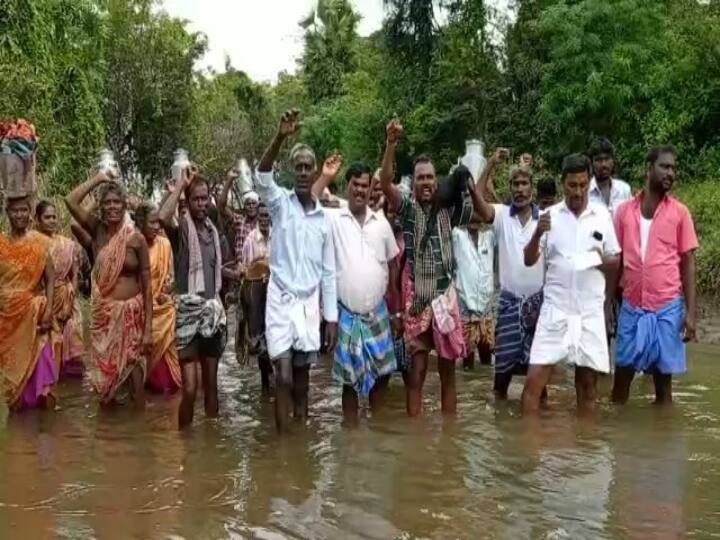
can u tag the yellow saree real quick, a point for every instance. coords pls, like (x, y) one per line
(116, 328)
(67, 320)
(22, 264)
(164, 373)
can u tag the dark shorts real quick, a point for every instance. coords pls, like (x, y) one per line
(202, 347)
(299, 358)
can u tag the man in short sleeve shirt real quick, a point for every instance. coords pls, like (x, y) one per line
(659, 307)
(578, 241)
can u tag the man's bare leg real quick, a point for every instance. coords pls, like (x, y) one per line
(300, 389)
(501, 385)
(448, 392)
(209, 368)
(189, 392)
(621, 384)
(485, 354)
(283, 392)
(536, 380)
(378, 393)
(585, 389)
(416, 380)
(350, 405)
(663, 388)
(469, 361)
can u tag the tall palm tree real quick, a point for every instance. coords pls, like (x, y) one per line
(330, 47)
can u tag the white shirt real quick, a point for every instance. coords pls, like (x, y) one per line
(512, 237)
(474, 277)
(619, 193)
(361, 257)
(573, 283)
(644, 235)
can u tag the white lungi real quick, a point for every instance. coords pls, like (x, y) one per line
(579, 338)
(291, 322)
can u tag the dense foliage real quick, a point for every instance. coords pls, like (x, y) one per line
(543, 79)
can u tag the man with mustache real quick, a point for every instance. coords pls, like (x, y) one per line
(520, 287)
(581, 251)
(364, 245)
(604, 188)
(302, 264)
(659, 308)
(432, 314)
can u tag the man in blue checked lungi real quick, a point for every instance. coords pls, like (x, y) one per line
(520, 286)
(364, 244)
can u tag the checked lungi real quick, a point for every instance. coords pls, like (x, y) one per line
(514, 331)
(365, 350)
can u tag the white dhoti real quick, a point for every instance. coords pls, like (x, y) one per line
(291, 322)
(579, 338)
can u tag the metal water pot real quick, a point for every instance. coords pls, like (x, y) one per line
(244, 182)
(180, 162)
(106, 163)
(474, 158)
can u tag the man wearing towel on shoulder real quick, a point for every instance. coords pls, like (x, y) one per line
(201, 326)
(578, 241)
(302, 263)
(659, 307)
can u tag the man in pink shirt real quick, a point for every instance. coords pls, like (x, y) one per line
(659, 311)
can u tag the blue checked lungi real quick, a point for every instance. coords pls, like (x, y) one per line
(650, 340)
(515, 329)
(365, 348)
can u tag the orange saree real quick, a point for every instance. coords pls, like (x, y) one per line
(116, 328)
(22, 348)
(164, 373)
(67, 320)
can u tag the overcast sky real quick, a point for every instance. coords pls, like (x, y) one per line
(262, 37)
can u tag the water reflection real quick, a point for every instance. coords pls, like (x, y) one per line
(636, 472)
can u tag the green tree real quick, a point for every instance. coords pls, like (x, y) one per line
(330, 48)
(51, 72)
(148, 105)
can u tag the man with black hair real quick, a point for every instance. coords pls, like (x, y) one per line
(432, 315)
(577, 239)
(520, 287)
(604, 188)
(364, 245)
(659, 308)
(302, 264)
(546, 193)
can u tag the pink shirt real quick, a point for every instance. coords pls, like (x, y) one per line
(656, 281)
(256, 247)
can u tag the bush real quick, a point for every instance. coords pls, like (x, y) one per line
(703, 200)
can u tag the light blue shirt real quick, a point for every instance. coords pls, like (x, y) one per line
(474, 277)
(619, 193)
(302, 253)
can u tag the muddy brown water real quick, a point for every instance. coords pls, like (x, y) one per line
(638, 472)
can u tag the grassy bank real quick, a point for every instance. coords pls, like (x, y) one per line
(703, 199)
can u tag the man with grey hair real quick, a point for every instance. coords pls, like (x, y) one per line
(302, 263)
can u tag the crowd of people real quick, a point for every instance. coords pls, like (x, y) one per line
(381, 279)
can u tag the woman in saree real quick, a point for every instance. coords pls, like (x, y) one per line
(67, 338)
(121, 298)
(164, 373)
(27, 369)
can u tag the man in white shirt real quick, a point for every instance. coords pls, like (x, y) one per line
(610, 192)
(364, 244)
(604, 189)
(302, 263)
(578, 240)
(473, 249)
(520, 287)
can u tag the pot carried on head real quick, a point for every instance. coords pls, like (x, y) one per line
(18, 148)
